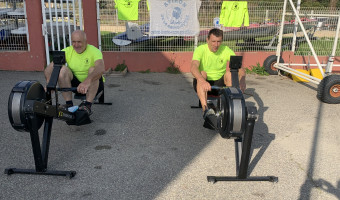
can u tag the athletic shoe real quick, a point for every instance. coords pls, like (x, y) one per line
(208, 112)
(85, 108)
(65, 106)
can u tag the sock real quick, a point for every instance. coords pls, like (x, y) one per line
(88, 104)
(69, 103)
(205, 108)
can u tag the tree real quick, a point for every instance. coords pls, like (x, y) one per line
(333, 3)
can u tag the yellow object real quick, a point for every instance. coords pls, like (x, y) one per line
(234, 14)
(298, 79)
(316, 73)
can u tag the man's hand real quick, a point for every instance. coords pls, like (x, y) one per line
(83, 87)
(201, 82)
(205, 85)
(94, 74)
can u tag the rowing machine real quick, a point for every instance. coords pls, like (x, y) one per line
(234, 120)
(29, 106)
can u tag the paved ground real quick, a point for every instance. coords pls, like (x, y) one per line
(151, 145)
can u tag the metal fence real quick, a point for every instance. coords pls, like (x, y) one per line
(261, 35)
(13, 26)
(60, 18)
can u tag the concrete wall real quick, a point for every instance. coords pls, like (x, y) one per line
(159, 61)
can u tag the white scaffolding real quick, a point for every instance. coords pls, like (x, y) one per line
(286, 66)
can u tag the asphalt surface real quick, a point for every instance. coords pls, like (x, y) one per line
(149, 144)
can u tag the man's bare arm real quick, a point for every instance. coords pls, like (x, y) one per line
(195, 70)
(201, 80)
(99, 69)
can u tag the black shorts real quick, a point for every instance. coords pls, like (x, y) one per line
(219, 82)
(75, 82)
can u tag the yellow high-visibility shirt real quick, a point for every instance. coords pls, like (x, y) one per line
(213, 63)
(234, 14)
(80, 64)
(127, 9)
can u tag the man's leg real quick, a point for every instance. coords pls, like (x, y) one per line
(90, 95)
(48, 72)
(64, 79)
(241, 78)
(202, 95)
(93, 89)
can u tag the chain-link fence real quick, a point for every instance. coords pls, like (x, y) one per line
(13, 26)
(61, 17)
(261, 35)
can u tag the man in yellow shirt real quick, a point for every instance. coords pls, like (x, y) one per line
(84, 70)
(209, 67)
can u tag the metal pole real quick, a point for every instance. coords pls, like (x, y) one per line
(295, 26)
(307, 38)
(45, 33)
(246, 148)
(117, 24)
(297, 64)
(98, 27)
(38, 159)
(331, 57)
(62, 21)
(298, 73)
(56, 23)
(196, 42)
(74, 16)
(278, 49)
(46, 140)
(68, 22)
(238, 153)
(51, 24)
(80, 15)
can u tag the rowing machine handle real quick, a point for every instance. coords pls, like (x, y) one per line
(214, 87)
(72, 89)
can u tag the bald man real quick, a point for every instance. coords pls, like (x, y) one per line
(84, 69)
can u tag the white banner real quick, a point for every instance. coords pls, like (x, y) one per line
(174, 17)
